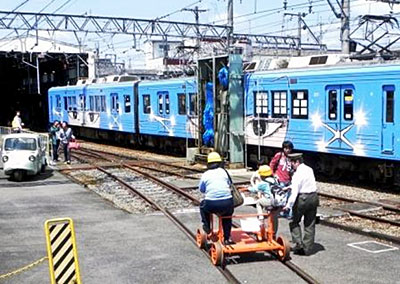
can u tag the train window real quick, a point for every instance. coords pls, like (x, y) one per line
(127, 103)
(167, 104)
(181, 104)
(279, 103)
(193, 103)
(114, 102)
(91, 103)
(160, 104)
(69, 103)
(299, 104)
(389, 94)
(332, 104)
(146, 104)
(103, 103)
(58, 102)
(348, 104)
(98, 104)
(261, 103)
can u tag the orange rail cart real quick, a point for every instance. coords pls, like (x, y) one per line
(263, 240)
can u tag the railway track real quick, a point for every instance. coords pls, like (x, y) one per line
(155, 192)
(167, 169)
(370, 218)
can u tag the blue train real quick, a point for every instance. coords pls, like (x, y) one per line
(138, 112)
(346, 116)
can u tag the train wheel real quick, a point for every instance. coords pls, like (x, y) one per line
(201, 238)
(217, 254)
(284, 253)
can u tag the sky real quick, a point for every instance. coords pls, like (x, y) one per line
(250, 16)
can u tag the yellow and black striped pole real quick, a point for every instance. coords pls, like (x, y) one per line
(62, 252)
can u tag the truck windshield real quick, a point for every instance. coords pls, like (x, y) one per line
(20, 143)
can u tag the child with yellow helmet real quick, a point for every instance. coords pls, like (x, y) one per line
(269, 193)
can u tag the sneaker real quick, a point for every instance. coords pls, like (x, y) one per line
(68, 162)
(228, 242)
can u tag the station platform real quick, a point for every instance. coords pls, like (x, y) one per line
(118, 247)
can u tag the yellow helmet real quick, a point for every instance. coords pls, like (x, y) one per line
(265, 171)
(213, 157)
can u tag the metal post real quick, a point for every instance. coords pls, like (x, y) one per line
(236, 110)
(77, 68)
(230, 23)
(299, 32)
(345, 30)
(37, 73)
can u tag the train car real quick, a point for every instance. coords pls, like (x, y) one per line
(67, 104)
(167, 108)
(345, 114)
(157, 113)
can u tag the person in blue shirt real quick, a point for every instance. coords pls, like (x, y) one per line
(215, 184)
(270, 194)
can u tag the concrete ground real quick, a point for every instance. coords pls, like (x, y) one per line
(117, 247)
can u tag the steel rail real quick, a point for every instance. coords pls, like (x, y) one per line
(143, 159)
(384, 206)
(165, 184)
(360, 231)
(224, 271)
(227, 274)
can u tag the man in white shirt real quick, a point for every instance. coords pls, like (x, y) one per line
(303, 201)
(17, 124)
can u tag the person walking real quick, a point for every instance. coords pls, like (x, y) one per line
(280, 164)
(55, 139)
(304, 202)
(282, 169)
(17, 123)
(66, 136)
(215, 184)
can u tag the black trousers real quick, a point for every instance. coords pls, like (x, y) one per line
(305, 205)
(55, 146)
(66, 152)
(221, 207)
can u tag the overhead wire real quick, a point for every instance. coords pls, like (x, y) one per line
(44, 8)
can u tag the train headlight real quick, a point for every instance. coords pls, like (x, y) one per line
(32, 158)
(5, 159)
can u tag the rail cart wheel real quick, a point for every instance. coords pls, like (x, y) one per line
(217, 254)
(201, 238)
(284, 253)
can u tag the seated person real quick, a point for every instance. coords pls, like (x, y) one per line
(271, 196)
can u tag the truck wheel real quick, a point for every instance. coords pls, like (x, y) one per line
(18, 175)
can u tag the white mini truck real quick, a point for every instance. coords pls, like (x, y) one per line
(23, 154)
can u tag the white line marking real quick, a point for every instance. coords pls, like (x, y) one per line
(389, 248)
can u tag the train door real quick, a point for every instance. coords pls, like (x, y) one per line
(339, 117)
(58, 108)
(82, 106)
(115, 115)
(164, 113)
(387, 145)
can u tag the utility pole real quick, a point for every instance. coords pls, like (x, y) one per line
(299, 21)
(345, 29)
(230, 24)
(196, 12)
